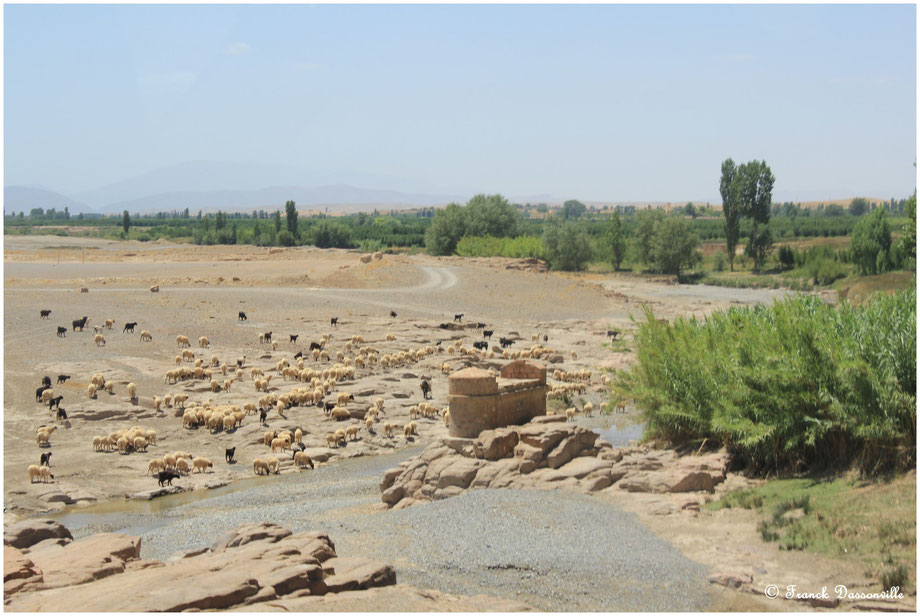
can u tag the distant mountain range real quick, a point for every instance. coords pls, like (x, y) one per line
(211, 186)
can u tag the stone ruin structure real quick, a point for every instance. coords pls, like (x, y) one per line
(479, 401)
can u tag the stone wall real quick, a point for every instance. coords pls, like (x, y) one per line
(480, 402)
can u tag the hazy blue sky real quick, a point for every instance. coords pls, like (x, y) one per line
(594, 102)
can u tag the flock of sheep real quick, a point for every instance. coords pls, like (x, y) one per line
(317, 376)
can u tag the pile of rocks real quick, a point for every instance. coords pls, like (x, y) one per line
(545, 453)
(44, 569)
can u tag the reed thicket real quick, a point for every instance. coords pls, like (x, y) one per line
(799, 385)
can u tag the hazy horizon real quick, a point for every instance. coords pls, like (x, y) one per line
(602, 103)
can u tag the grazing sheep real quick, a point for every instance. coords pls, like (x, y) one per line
(352, 431)
(146, 337)
(179, 400)
(182, 341)
(47, 395)
(170, 460)
(369, 423)
(570, 413)
(332, 440)
(446, 416)
(109, 323)
(140, 443)
(167, 477)
(259, 465)
(202, 464)
(274, 465)
(340, 414)
(98, 329)
(280, 443)
(98, 443)
(389, 428)
(42, 472)
(151, 436)
(302, 460)
(409, 429)
(298, 435)
(155, 466)
(132, 391)
(203, 342)
(588, 409)
(379, 403)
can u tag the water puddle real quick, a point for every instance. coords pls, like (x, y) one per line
(620, 437)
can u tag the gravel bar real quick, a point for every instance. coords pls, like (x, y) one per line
(555, 550)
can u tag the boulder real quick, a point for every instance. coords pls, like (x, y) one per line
(358, 574)
(460, 473)
(155, 493)
(19, 572)
(581, 467)
(29, 532)
(570, 447)
(495, 444)
(393, 495)
(87, 559)
(545, 436)
(266, 531)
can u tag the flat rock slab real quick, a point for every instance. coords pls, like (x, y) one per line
(29, 532)
(155, 493)
(87, 559)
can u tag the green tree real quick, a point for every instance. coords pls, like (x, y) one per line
(871, 243)
(445, 230)
(276, 219)
(125, 221)
(566, 246)
(291, 212)
(220, 220)
(859, 206)
(730, 210)
(328, 234)
(674, 245)
(573, 210)
(906, 248)
(491, 215)
(689, 210)
(645, 234)
(285, 238)
(615, 240)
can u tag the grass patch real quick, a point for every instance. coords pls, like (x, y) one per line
(618, 346)
(857, 289)
(874, 522)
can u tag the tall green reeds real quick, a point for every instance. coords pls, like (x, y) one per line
(789, 387)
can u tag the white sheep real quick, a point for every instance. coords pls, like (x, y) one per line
(203, 342)
(202, 464)
(47, 395)
(182, 466)
(182, 341)
(155, 466)
(259, 465)
(274, 464)
(99, 339)
(132, 391)
(109, 323)
(146, 336)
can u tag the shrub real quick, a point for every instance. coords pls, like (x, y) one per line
(871, 243)
(566, 247)
(800, 384)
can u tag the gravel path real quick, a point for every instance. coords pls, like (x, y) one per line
(555, 550)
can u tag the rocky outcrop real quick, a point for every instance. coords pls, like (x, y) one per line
(256, 563)
(545, 453)
(27, 533)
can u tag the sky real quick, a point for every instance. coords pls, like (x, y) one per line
(605, 103)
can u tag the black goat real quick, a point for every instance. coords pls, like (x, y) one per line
(242, 316)
(426, 389)
(229, 454)
(45, 313)
(46, 380)
(62, 378)
(61, 414)
(334, 321)
(267, 337)
(487, 333)
(393, 314)
(294, 338)
(46, 459)
(480, 325)
(315, 345)
(327, 407)
(444, 325)
(613, 333)
(81, 323)
(482, 345)
(167, 477)
(129, 327)
(545, 338)
(263, 415)
(505, 342)
(38, 392)
(458, 317)
(55, 402)
(62, 332)
(298, 355)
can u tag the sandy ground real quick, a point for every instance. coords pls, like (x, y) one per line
(286, 291)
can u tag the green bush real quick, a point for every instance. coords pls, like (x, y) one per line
(566, 246)
(522, 247)
(793, 386)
